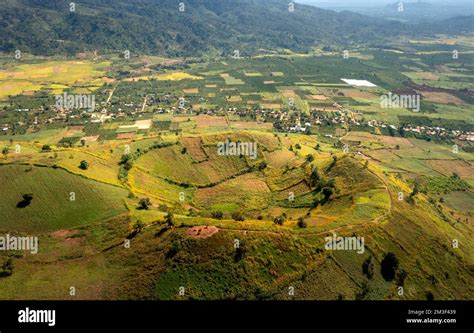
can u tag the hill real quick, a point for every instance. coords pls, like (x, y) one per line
(203, 27)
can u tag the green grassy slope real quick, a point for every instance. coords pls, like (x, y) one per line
(51, 207)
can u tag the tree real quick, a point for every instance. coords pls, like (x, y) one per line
(401, 276)
(184, 150)
(144, 203)
(309, 158)
(5, 151)
(364, 291)
(297, 146)
(27, 198)
(84, 165)
(314, 178)
(7, 268)
(279, 220)
(169, 220)
(217, 215)
(240, 251)
(368, 267)
(46, 148)
(126, 161)
(301, 223)
(138, 226)
(262, 165)
(327, 192)
(318, 147)
(237, 216)
(333, 163)
(415, 189)
(389, 266)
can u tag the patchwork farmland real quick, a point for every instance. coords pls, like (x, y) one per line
(145, 166)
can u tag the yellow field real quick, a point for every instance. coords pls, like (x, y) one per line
(234, 99)
(252, 74)
(16, 88)
(54, 76)
(175, 76)
(191, 91)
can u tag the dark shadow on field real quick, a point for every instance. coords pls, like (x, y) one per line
(25, 202)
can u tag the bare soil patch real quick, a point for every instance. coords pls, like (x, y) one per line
(288, 93)
(316, 97)
(354, 93)
(194, 148)
(202, 231)
(447, 167)
(125, 136)
(211, 121)
(441, 97)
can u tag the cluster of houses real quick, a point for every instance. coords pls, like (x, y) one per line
(282, 119)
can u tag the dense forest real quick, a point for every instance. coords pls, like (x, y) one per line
(212, 27)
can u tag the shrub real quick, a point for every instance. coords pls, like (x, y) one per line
(368, 267)
(144, 203)
(279, 220)
(7, 268)
(262, 165)
(84, 165)
(138, 226)
(169, 220)
(401, 276)
(238, 216)
(217, 215)
(301, 223)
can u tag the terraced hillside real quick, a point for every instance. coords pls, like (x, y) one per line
(191, 229)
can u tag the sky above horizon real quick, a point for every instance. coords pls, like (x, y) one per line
(383, 2)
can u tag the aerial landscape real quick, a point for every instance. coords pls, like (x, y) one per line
(235, 150)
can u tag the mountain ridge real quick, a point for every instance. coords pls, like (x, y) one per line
(205, 27)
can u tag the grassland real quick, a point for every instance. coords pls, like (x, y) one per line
(51, 207)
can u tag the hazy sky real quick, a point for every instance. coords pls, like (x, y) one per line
(381, 2)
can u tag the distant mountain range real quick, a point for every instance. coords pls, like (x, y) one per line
(204, 27)
(414, 11)
(422, 11)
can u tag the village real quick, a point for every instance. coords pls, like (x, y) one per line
(283, 120)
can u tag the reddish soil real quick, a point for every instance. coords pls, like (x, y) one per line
(202, 231)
